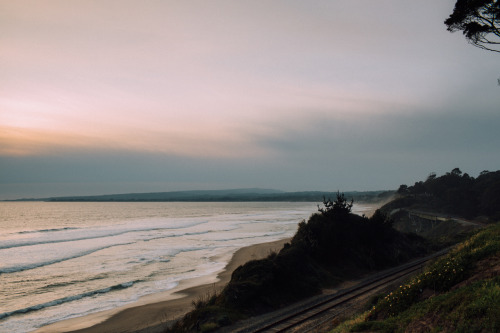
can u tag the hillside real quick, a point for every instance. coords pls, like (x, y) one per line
(335, 245)
(458, 293)
(454, 194)
(332, 246)
(445, 209)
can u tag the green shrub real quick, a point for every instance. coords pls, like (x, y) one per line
(443, 274)
(474, 307)
(208, 327)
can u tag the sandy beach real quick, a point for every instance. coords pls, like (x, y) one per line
(153, 314)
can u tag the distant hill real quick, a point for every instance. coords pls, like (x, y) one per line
(230, 195)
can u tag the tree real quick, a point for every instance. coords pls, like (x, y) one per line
(456, 172)
(338, 207)
(479, 20)
(403, 189)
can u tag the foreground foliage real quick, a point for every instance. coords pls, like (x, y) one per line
(460, 292)
(332, 246)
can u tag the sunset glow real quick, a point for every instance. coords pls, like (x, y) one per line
(292, 84)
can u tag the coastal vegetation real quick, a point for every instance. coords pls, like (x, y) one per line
(454, 193)
(457, 293)
(335, 245)
(447, 208)
(332, 246)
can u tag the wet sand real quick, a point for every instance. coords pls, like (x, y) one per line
(155, 312)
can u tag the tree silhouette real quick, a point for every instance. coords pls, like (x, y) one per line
(479, 20)
(338, 207)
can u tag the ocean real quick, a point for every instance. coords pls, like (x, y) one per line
(66, 260)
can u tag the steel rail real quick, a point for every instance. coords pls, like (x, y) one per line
(288, 321)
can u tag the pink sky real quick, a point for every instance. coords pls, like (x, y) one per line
(226, 79)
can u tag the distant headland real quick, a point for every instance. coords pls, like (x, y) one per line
(230, 195)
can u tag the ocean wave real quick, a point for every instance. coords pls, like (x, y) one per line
(25, 267)
(72, 282)
(69, 299)
(46, 230)
(177, 235)
(188, 234)
(251, 237)
(96, 235)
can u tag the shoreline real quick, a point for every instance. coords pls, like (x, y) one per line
(153, 313)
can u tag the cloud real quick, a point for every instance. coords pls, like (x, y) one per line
(293, 95)
(377, 152)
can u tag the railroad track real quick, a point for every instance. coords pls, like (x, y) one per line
(306, 312)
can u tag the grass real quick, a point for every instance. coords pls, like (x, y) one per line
(473, 308)
(207, 299)
(439, 299)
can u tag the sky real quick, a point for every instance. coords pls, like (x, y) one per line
(118, 96)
